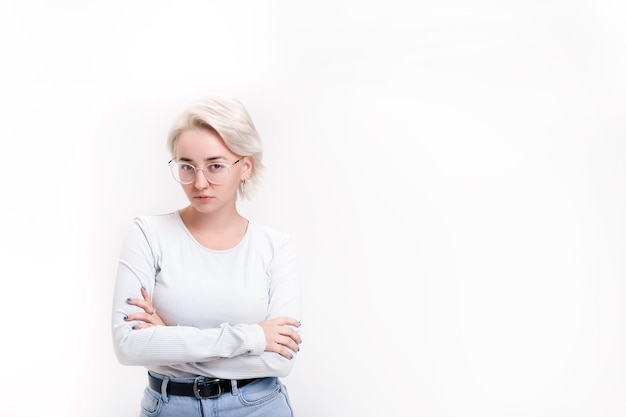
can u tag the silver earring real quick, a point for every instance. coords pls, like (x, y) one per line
(243, 186)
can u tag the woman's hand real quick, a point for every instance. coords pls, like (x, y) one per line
(148, 317)
(281, 337)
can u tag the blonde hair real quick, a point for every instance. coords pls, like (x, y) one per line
(230, 119)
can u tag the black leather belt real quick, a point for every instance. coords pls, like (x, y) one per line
(211, 388)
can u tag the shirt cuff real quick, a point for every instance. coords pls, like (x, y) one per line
(256, 343)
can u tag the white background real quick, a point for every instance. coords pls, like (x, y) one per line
(452, 173)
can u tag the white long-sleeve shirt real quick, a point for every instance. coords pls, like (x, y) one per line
(211, 300)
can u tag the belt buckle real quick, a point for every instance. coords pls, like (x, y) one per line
(197, 385)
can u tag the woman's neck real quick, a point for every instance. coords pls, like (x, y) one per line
(217, 231)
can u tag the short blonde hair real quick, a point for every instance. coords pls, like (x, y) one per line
(230, 119)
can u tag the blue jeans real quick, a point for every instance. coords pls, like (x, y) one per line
(265, 397)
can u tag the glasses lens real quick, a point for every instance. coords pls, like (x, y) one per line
(217, 173)
(183, 173)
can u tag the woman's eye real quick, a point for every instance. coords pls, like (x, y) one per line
(215, 167)
(186, 167)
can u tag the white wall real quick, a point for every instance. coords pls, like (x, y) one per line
(452, 173)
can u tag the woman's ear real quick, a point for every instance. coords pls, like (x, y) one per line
(247, 168)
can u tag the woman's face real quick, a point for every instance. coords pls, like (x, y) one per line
(202, 147)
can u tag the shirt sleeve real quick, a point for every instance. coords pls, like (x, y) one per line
(167, 345)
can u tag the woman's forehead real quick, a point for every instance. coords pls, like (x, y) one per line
(201, 145)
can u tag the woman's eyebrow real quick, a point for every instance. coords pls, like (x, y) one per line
(212, 158)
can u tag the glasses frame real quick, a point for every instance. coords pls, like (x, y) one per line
(173, 162)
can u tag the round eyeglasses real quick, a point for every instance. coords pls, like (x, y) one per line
(216, 172)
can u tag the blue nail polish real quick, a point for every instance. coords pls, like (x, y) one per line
(125, 317)
(291, 356)
(128, 299)
(134, 327)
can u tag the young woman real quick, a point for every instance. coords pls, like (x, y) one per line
(207, 300)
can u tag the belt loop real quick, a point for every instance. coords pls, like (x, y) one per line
(235, 387)
(166, 380)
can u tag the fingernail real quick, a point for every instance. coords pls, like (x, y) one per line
(128, 299)
(134, 327)
(125, 317)
(292, 356)
(298, 348)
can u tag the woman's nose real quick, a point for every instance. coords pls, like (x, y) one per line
(202, 181)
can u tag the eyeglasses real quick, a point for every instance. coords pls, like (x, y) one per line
(216, 173)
